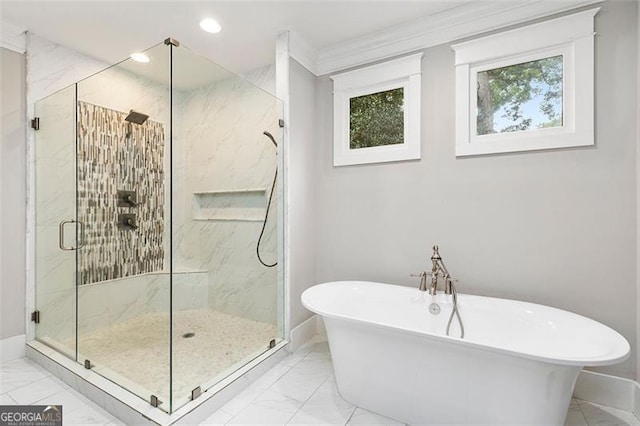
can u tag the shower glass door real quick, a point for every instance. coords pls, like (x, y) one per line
(225, 302)
(122, 178)
(55, 206)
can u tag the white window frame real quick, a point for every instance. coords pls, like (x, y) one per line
(572, 37)
(398, 73)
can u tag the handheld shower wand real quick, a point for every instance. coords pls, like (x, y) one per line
(266, 213)
(270, 136)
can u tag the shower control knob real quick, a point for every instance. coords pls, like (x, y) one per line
(131, 200)
(127, 221)
(127, 198)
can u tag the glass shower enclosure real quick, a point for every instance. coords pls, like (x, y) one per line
(158, 232)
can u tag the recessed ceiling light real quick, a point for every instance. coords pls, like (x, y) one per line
(140, 57)
(210, 25)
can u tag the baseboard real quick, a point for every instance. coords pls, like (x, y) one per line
(303, 332)
(12, 348)
(636, 399)
(612, 391)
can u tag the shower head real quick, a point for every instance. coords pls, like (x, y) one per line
(270, 136)
(136, 117)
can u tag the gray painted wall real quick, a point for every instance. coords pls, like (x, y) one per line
(13, 198)
(302, 188)
(555, 227)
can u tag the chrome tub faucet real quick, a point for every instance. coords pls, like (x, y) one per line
(437, 270)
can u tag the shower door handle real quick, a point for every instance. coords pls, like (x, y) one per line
(61, 234)
(81, 238)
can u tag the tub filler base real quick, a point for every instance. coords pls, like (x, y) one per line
(401, 377)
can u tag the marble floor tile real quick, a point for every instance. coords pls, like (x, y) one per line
(88, 416)
(70, 399)
(253, 391)
(293, 359)
(236, 405)
(601, 415)
(270, 377)
(18, 373)
(325, 407)
(49, 390)
(302, 351)
(321, 346)
(36, 391)
(220, 417)
(363, 417)
(318, 356)
(242, 400)
(304, 378)
(267, 412)
(575, 417)
(7, 400)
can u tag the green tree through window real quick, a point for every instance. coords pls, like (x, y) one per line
(520, 97)
(376, 119)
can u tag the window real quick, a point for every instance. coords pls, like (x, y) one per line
(377, 113)
(376, 119)
(520, 97)
(526, 89)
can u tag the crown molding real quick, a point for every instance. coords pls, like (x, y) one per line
(303, 52)
(451, 25)
(12, 37)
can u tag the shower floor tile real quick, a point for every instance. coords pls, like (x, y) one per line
(207, 346)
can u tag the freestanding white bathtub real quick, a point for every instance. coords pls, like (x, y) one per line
(517, 364)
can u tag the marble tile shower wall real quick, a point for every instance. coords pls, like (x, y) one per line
(115, 155)
(225, 150)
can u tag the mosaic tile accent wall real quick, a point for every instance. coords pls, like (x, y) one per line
(114, 155)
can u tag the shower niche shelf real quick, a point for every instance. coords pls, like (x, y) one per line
(243, 205)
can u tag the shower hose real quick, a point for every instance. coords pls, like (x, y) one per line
(455, 312)
(264, 224)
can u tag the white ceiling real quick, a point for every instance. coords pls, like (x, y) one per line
(110, 30)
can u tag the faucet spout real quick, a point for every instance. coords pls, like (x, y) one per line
(433, 290)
